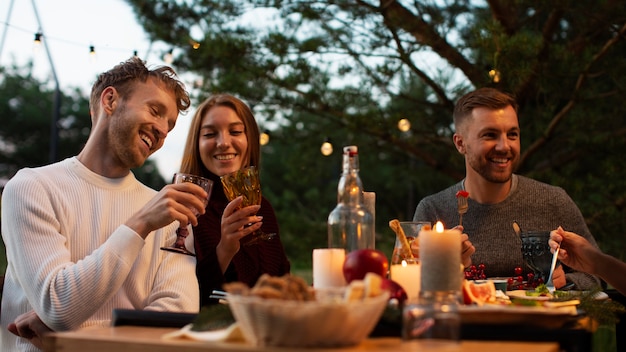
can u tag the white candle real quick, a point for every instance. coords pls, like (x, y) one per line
(369, 201)
(407, 274)
(440, 258)
(328, 267)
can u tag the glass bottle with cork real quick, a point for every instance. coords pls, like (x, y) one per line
(350, 224)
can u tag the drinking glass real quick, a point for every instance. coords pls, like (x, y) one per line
(411, 231)
(434, 319)
(246, 183)
(536, 252)
(182, 232)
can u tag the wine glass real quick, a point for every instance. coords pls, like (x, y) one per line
(245, 182)
(182, 232)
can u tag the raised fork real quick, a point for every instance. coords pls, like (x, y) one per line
(462, 205)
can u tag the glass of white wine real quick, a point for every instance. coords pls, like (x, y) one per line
(245, 182)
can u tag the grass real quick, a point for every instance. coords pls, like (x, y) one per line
(305, 273)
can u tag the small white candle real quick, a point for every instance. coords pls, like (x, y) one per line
(407, 274)
(440, 258)
(369, 202)
(328, 267)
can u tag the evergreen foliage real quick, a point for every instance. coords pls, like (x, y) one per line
(349, 70)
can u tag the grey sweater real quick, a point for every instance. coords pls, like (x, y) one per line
(534, 205)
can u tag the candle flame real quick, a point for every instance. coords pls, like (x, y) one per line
(439, 227)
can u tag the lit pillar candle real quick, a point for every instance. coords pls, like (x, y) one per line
(328, 267)
(440, 258)
(407, 275)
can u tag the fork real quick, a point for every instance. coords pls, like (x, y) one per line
(550, 282)
(462, 205)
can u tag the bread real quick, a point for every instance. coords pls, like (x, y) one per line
(355, 291)
(288, 287)
(370, 286)
(373, 285)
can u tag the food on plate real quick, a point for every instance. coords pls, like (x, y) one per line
(540, 290)
(287, 287)
(362, 261)
(479, 292)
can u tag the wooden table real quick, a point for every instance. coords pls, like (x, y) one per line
(148, 339)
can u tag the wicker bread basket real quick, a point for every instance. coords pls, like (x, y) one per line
(326, 323)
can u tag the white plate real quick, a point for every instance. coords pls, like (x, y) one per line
(522, 294)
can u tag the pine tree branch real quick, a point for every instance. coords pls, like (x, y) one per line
(582, 77)
(405, 57)
(504, 13)
(396, 16)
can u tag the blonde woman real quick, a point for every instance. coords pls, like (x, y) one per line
(223, 138)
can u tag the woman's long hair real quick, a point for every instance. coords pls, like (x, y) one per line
(191, 162)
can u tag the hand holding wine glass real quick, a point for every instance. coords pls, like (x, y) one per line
(182, 232)
(246, 183)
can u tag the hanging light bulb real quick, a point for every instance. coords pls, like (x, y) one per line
(495, 75)
(404, 125)
(37, 42)
(92, 53)
(194, 44)
(327, 147)
(169, 57)
(264, 138)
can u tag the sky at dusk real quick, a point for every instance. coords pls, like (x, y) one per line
(70, 28)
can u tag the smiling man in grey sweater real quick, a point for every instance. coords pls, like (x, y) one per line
(488, 136)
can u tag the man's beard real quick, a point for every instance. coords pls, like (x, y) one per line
(487, 172)
(124, 133)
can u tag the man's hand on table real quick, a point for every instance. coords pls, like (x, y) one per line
(30, 327)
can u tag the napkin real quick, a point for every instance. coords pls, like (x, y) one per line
(231, 333)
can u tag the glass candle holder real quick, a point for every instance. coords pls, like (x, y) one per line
(434, 317)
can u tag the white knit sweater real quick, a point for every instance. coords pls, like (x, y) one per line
(71, 260)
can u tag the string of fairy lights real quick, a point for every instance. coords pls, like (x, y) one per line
(168, 56)
(404, 125)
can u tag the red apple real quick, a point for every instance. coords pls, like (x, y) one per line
(363, 261)
(395, 290)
